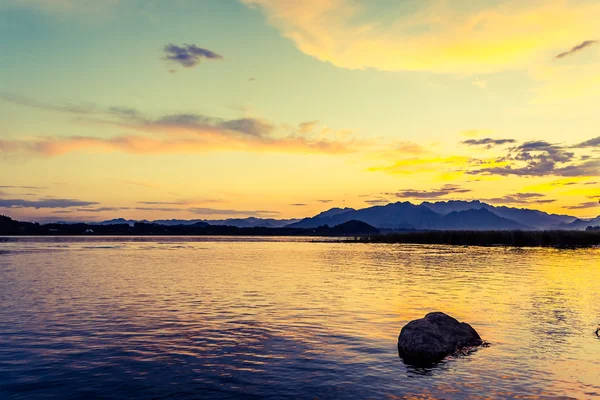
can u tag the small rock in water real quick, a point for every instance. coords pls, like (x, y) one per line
(428, 340)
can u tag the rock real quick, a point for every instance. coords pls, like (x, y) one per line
(437, 335)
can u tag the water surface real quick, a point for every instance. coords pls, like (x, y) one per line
(187, 318)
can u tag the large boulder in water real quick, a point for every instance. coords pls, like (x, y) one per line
(437, 335)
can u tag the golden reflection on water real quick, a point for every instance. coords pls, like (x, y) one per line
(258, 311)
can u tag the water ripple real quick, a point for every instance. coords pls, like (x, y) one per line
(256, 318)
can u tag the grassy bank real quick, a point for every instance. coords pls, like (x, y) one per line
(559, 239)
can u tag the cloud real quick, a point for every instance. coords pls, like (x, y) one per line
(409, 148)
(431, 35)
(65, 108)
(588, 168)
(430, 194)
(377, 202)
(202, 123)
(179, 133)
(163, 203)
(488, 142)
(194, 210)
(325, 201)
(101, 209)
(248, 213)
(61, 6)
(186, 202)
(44, 203)
(299, 205)
(209, 141)
(307, 127)
(249, 126)
(587, 204)
(541, 158)
(25, 187)
(577, 48)
(520, 198)
(595, 142)
(189, 55)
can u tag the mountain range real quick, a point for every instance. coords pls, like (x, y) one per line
(455, 215)
(451, 215)
(251, 222)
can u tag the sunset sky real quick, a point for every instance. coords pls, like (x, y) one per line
(282, 108)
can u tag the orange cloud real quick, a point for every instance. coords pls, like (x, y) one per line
(180, 133)
(164, 145)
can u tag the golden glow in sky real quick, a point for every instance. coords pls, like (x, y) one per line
(281, 109)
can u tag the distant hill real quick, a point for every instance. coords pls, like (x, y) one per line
(401, 215)
(333, 211)
(441, 215)
(173, 222)
(350, 228)
(116, 221)
(250, 222)
(482, 219)
(579, 224)
(8, 226)
(532, 218)
(456, 215)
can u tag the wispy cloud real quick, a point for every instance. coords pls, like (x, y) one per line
(541, 158)
(162, 203)
(377, 202)
(595, 142)
(531, 158)
(89, 108)
(244, 213)
(520, 198)
(479, 37)
(430, 194)
(204, 211)
(44, 203)
(179, 133)
(582, 206)
(189, 55)
(187, 202)
(61, 6)
(575, 49)
(488, 142)
(25, 187)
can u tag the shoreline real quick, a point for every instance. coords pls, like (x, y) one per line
(550, 238)
(560, 239)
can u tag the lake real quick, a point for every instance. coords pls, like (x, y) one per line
(254, 318)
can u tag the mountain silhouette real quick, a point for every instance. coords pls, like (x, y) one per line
(401, 215)
(579, 224)
(532, 218)
(459, 215)
(481, 219)
(454, 214)
(250, 222)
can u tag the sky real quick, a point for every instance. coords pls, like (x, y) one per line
(207, 109)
